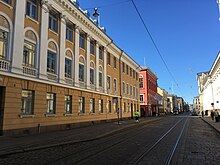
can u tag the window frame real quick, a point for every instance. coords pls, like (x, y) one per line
(68, 103)
(100, 105)
(82, 40)
(115, 62)
(27, 61)
(49, 101)
(81, 72)
(30, 11)
(51, 60)
(68, 68)
(92, 47)
(108, 82)
(53, 21)
(29, 110)
(69, 32)
(100, 53)
(81, 104)
(108, 58)
(92, 105)
(4, 40)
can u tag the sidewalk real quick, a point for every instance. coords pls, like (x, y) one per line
(12, 145)
(212, 123)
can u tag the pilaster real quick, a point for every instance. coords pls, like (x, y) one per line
(88, 62)
(18, 39)
(43, 40)
(77, 29)
(62, 48)
(97, 66)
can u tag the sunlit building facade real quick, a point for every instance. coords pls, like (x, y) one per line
(59, 69)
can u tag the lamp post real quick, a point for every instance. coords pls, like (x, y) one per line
(210, 81)
(218, 2)
(96, 15)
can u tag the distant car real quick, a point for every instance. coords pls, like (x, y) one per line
(194, 114)
(175, 112)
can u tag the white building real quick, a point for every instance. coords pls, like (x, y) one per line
(209, 87)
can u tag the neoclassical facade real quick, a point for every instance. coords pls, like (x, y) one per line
(209, 87)
(59, 69)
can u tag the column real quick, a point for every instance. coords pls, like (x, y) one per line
(42, 65)
(105, 70)
(18, 38)
(97, 66)
(76, 56)
(88, 62)
(62, 49)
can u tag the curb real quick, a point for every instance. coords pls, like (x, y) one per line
(211, 125)
(132, 125)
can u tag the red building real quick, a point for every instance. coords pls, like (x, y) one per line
(148, 92)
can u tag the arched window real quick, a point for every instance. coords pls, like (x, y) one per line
(92, 75)
(51, 57)
(100, 77)
(29, 52)
(4, 37)
(68, 64)
(81, 69)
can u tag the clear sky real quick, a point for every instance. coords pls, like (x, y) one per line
(187, 33)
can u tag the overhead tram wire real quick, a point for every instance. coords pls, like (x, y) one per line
(112, 4)
(155, 45)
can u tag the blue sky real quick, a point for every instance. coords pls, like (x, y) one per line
(187, 33)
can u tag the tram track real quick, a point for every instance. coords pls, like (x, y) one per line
(109, 148)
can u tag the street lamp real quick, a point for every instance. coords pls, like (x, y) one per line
(210, 81)
(96, 15)
(218, 2)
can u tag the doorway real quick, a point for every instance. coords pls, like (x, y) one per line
(2, 101)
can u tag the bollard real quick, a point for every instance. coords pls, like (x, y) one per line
(38, 128)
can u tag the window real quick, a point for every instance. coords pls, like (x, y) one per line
(27, 102)
(81, 72)
(31, 8)
(91, 76)
(69, 32)
(127, 69)
(108, 82)
(3, 43)
(114, 107)
(100, 78)
(108, 58)
(127, 88)
(133, 74)
(51, 61)
(130, 72)
(130, 90)
(92, 47)
(51, 103)
(123, 67)
(109, 106)
(136, 76)
(101, 106)
(134, 91)
(123, 87)
(114, 62)
(53, 21)
(29, 54)
(115, 85)
(81, 105)
(68, 67)
(92, 105)
(82, 40)
(7, 1)
(100, 52)
(124, 107)
(141, 82)
(68, 104)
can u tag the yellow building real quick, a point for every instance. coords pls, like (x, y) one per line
(59, 69)
(164, 108)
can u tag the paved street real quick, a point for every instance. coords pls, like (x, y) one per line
(150, 142)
